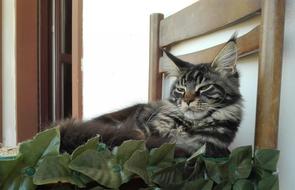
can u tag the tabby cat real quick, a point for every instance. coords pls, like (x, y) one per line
(204, 107)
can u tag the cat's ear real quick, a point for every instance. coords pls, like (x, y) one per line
(178, 65)
(226, 60)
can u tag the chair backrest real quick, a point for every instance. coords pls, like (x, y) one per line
(207, 16)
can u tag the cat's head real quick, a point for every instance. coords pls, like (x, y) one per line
(201, 89)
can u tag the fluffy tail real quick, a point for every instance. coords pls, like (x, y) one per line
(74, 134)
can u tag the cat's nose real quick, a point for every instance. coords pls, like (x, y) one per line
(188, 102)
(189, 97)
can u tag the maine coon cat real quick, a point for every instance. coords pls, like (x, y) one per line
(204, 107)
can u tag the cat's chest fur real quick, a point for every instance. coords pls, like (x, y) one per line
(217, 129)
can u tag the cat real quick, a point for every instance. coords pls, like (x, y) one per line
(204, 107)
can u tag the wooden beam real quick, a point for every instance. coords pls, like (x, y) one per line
(66, 58)
(205, 16)
(1, 105)
(155, 78)
(26, 69)
(77, 90)
(45, 63)
(247, 44)
(58, 74)
(269, 74)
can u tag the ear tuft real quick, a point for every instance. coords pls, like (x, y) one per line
(234, 37)
(171, 70)
(180, 64)
(226, 60)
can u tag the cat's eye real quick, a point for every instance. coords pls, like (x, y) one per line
(178, 92)
(205, 88)
(202, 89)
(212, 93)
(180, 89)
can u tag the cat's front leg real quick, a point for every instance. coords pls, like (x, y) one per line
(169, 120)
(197, 124)
(162, 124)
(208, 121)
(155, 119)
(160, 119)
(183, 140)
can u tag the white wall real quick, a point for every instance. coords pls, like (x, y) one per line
(286, 139)
(116, 48)
(8, 72)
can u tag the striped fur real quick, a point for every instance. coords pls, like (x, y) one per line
(209, 97)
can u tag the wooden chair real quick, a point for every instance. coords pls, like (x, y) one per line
(207, 16)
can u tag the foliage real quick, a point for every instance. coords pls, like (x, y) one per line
(39, 162)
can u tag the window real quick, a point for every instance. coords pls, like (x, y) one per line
(55, 60)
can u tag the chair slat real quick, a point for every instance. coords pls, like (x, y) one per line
(269, 74)
(247, 44)
(155, 78)
(205, 16)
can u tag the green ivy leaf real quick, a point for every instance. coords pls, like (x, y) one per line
(198, 153)
(7, 166)
(90, 144)
(266, 159)
(44, 143)
(39, 161)
(152, 188)
(127, 148)
(101, 167)
(163, 154)
(159, 159)
(19, 172)
(138, 163)
(260, 173)
(216, 170)
(223, 186)
(243, 184)
(18, 182)
(198, 184)
(170, 176)
(54, 169)
(98, 188)
(13, 174)
(269, 183)
(240, 163)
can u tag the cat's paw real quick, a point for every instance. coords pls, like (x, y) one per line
(209, 121)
